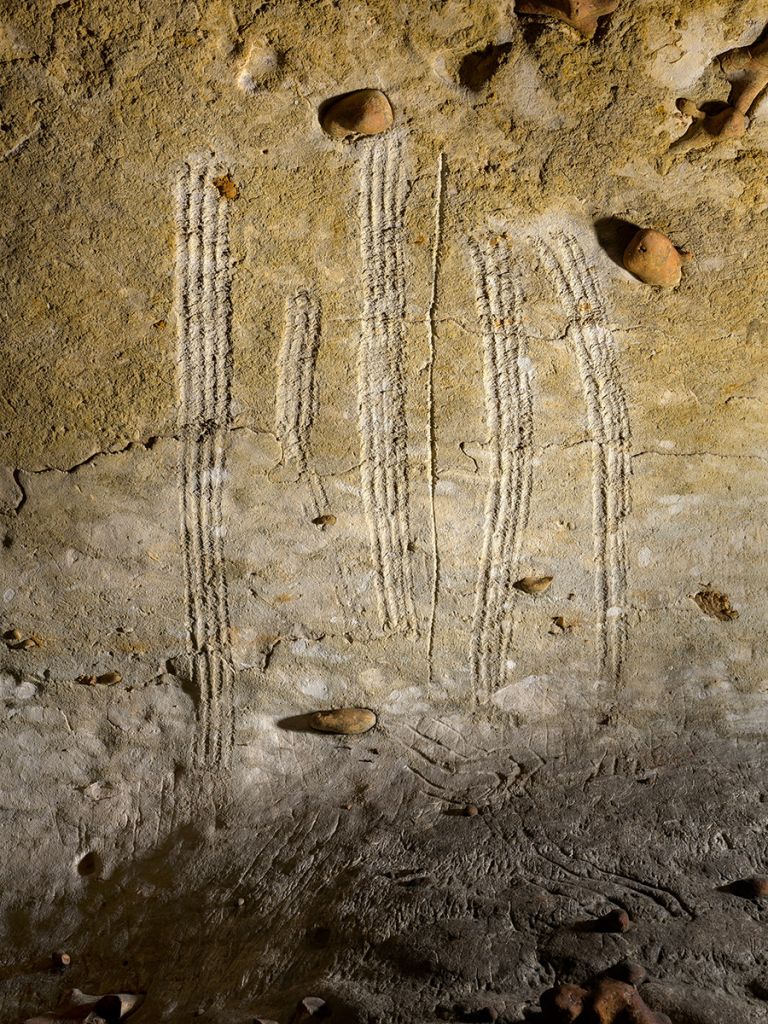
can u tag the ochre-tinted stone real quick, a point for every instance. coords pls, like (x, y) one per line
(534, 585)
(347, 721)
(579, 14)
(654, 259)
(365, 112)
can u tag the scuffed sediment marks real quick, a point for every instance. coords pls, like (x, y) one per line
(205, 374)
(381, 381)
(509, 411)
(608, 421)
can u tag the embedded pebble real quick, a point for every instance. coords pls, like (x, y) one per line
(61, 958)
(534, 584)
(105, 679)
(629, 972)
(226, 186)
(654, 259)
(606, 1000)
(365, 112)
(616, 921)
(755, 888)
(579, 14)
(471, 811)
(25, 645)
(311, 1008)
(346, 721)
(716, 605)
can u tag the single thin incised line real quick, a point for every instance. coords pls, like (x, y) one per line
(432, 332)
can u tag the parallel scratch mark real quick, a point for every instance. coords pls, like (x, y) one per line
(432, 336)
(509, 410)
(296, 398)
(205, 371)
(381, 381)
(608, 420)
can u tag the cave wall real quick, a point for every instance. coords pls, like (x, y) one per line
(284, 418)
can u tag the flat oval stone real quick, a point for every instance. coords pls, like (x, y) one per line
(346, 721)
(365, 112)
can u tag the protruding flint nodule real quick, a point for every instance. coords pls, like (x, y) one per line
(582, 15)
(534, 585)
(365, 112)
(629, 972)
(606, 1000)
(747, 70)
(310, 1010)
(654, 259)
(615, 921)
(755, 888)
(344, 721)
(105, 679)
(563, 1003)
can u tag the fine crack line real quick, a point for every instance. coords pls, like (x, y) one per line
(432, 335)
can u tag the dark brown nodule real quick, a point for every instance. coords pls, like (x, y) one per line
(629, 972)
(344, 721)
(325, 520)
(755, 888)
(364, 112)
(311, 1008)
(563, 1003)
(615, 921)
(471, 811)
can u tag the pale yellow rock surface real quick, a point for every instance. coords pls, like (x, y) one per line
(288, 442)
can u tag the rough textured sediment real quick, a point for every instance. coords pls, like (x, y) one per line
(283, 422)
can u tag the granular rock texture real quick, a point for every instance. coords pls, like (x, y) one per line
(287, 420)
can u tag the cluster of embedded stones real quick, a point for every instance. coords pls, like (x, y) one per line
(610, 999)
(746, 68)
(650, 256)
(582, 15)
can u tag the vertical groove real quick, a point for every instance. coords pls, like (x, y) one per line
(432, 336)
(608, 420)
(205, 371)
(381, 382)
(509, 412)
